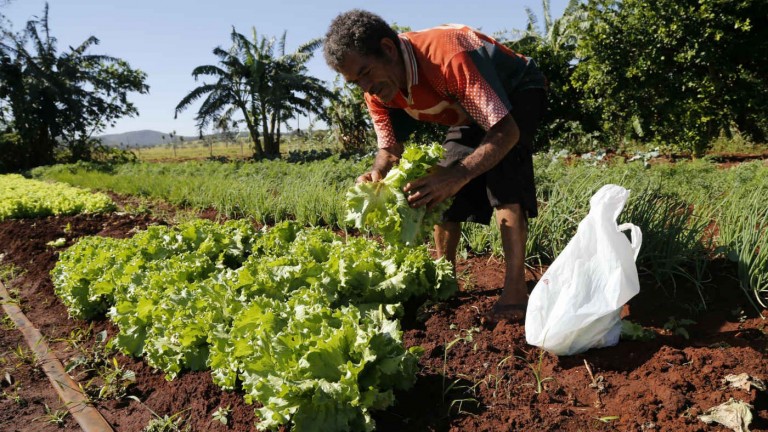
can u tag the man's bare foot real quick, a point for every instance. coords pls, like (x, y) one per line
(512, 312)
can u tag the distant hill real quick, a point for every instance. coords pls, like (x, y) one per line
(142, 138)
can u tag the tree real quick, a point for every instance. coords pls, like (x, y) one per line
(171, 141)
(675, 72)
(235, 90)
(227, 130)
(292, 92)
(349, 119)
(553, 49)
(264, 89)
(58, 101)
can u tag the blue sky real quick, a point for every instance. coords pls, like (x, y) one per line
(168, 38)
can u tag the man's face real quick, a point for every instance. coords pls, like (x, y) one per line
(382, 77)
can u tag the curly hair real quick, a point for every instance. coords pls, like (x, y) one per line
(358, 31)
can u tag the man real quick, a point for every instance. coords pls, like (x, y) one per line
(493, 100)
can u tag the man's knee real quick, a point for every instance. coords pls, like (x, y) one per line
(512, 215)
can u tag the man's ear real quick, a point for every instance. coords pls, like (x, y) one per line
(389, 48)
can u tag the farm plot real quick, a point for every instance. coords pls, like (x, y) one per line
(470, 377)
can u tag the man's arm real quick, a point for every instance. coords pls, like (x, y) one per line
(440, 185)
(384, 161)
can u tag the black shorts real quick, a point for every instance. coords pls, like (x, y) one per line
(511, 180)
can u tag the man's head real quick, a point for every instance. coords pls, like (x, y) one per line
(364, 49)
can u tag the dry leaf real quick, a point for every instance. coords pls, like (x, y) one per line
(744, 381)
(733, 414)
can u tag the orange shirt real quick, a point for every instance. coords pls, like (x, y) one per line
(455, 76)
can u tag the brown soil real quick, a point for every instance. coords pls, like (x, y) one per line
(483, 383)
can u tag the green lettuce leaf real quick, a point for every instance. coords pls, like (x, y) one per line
(382, 207)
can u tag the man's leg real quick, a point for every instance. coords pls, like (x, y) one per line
(514, 231)
(447, 236)
(514, 183)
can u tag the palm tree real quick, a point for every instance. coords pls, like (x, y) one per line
(234, 90)
(558, 33)
(265, 90)
(31, 86)
(292, 92)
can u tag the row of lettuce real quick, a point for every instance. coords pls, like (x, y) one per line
(22, 198)
(380, 207)
(303, 320)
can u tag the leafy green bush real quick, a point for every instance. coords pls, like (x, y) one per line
(13, 153)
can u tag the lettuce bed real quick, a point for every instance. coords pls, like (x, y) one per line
(304, 321)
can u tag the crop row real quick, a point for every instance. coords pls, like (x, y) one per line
(302, 320)
(22, 198)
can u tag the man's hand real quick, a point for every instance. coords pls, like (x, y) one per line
(371, 176)
(437, 186)
(385, 159)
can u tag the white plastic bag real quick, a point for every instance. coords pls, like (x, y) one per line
(576, 304)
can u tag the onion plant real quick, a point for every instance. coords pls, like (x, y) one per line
(743, 238)
(673, 238)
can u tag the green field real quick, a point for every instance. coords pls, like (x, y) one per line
(215, 149)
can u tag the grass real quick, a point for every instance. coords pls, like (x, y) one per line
(465, 338)
(737, 144)
(674, 244)
(477, 238)
(8, 272)
(165, 423)
(106, 379)
(467, 280)
(56, 417)
(24, 355)
(743, 239)
(15, 397)
(267, 191)
(499, 383)
(192, 150)
(537, 371)
(6, 323)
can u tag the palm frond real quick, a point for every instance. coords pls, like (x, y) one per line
(547, 16)
(210, 70)
(281, 44)
(310, 46)
(532, 20)
(194, 95)
(91, 41)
